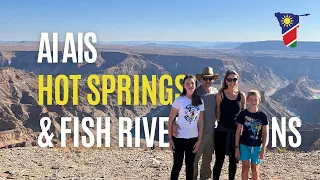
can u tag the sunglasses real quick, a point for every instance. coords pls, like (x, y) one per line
(230, 79)
(207, 78)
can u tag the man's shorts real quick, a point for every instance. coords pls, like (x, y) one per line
(250, 153)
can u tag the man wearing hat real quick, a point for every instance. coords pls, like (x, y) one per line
(208, 94)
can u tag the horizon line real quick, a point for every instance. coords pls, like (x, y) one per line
(22, 41)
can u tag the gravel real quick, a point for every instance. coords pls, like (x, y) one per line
(134, 163)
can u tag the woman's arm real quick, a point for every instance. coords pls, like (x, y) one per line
(237, 140)
(243, 101)
(218, 101)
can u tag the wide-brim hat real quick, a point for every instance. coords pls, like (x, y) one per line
(207, 71)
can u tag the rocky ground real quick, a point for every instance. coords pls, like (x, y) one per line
(119, 164)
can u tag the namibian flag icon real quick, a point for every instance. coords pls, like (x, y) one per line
(289, 23)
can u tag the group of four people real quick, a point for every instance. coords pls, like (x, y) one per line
(204, 120)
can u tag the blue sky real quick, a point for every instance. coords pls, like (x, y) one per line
(162, 20)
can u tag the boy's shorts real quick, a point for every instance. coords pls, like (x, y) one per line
(250, 153)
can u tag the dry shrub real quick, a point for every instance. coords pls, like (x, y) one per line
(316, 145)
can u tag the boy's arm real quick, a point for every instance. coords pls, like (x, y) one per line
(240, 122)
(238, 132)
(265, 134)
(264, 141)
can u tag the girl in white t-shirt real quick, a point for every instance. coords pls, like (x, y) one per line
(189, 107)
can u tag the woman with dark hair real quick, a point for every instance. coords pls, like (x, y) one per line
(230, 102)
(189, 107)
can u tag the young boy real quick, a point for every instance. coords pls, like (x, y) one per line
(252, 143)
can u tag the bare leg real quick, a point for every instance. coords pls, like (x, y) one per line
(255, 171)
(245, 170)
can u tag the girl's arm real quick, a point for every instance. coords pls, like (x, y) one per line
(200, 126)
(172, 117)
(200, 130)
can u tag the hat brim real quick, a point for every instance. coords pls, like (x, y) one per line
(199, 76)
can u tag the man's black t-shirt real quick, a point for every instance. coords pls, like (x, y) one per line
(252, 127)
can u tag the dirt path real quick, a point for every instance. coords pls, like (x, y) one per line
(112, 164)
